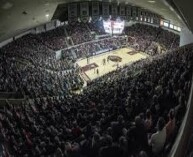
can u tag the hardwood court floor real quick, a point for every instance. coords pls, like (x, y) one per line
(128, 56)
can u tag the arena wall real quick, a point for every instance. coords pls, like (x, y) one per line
(186, 37)
(35, 30)
(5, 42)
(22, 34)
(180, 146)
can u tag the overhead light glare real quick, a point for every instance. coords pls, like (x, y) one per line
(151, 1)
(47, 15)
(179, 17)
(171, 9)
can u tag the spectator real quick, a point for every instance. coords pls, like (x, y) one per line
(148, 120)
(139, 135)
(158, 139)
(170, 126)
(101, 117)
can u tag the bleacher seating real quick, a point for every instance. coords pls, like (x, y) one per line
(115, 115)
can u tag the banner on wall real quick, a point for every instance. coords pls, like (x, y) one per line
(114, 10)
(122, 12)
(148, 17)
(84, 11)
(128, 12)
(105, 10)
(139, 14)
(72, 12)
(142, 15)
(134, 12)
(95, 11)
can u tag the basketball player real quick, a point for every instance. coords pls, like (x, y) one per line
(104, 61)
(87, 60)
(97, 71)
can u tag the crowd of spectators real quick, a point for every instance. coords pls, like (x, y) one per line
(97, 27)
(92, 48)
(54, 39)
(79, 33)
(146, 36)
(34, 81)
(30, 67)
(134, 111)
(28, 61)
(29, 48)
(39, 51)
(168, 39)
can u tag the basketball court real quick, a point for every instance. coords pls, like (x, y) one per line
(113, 60)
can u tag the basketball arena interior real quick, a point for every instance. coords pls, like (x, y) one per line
(96, 78)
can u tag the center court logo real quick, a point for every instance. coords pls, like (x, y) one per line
(114, 58)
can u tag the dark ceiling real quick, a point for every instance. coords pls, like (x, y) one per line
(185, 10)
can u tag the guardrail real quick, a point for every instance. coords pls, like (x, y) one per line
(7, 95)
(4, 102)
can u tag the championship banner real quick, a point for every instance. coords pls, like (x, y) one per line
(145, 15)
(134, 13)
(128, 12)
(142, 15)
(84, 11)
(139, 14)
(95, 11)
(122, 12)
(151, 18)
(105, 10)
(114, 10)
(148, 17)
(72, 13)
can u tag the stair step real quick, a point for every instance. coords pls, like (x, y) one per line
(74, 54)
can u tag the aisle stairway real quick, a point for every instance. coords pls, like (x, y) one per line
(74, 54)
(88, 28)
(72, 41)
(65, 31)
(69, 42)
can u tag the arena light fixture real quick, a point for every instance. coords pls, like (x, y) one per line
(151, 1)
(47, 15)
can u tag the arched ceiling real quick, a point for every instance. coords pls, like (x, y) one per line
(18, 15)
